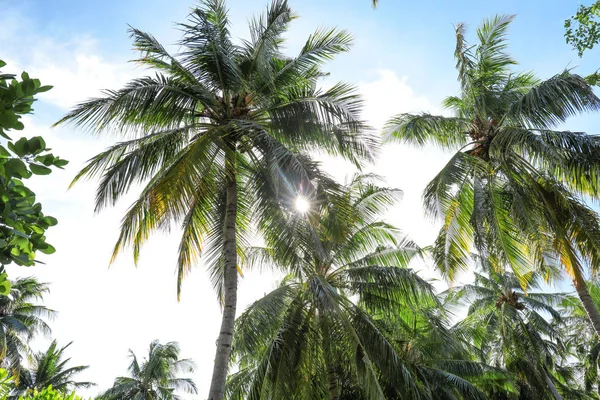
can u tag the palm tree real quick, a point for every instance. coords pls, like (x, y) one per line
(579, 337)
(217, 133)
(514, 189)
(21, 319)
(508, 329)
(49, 368)
(425, 337)
(156, 378)
(318, 334)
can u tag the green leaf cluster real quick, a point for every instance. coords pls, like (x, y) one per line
(582, 31)
(48, 393)
(49, 369)
(22, 223)
(6, 383)
(22, 318)
(335, 326)
(16, 99)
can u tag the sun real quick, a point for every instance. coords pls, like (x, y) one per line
(302, 204)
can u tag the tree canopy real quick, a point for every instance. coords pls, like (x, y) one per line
(22, 223)
(582, 30)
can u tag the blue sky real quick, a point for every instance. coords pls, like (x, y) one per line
(398, 33)
(402, 61)
(415, 39)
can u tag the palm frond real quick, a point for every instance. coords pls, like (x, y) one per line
(420, 129)
(551, 102)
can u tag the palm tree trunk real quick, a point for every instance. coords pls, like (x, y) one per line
(219, 377)
(586, 300)
(552, 388)
(332, 382)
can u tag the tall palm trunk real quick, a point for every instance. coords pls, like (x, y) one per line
(219, 377)
(575, 271)
(552, 388)
(332, 382)
(586, 300)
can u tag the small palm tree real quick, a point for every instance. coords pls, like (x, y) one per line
(509, 329)
(216, 135)
(21, 319)
(49, 368)
(514, 190)
(317, 335)
(446, 364)
(156, 378)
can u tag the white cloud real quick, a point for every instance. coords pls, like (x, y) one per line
(75, 70)
(403, 166)
(85, 77)
(74, 67)
(389, 95)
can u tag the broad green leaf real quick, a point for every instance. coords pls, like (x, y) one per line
(44, 88)
(20, 147)
(39, 169)
(15, 167)
(49, 249)
(51, 221)
(36, 145)
(4, 153)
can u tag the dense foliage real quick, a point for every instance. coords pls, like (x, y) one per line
(49, 393)
(324, 332)
(21, 319)
(22, 222)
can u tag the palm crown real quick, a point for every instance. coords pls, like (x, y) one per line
(49, 369)
(21, 319)
(317, 335)
(156, 377)
(216, 109)
(514, 191)
(510, 329)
